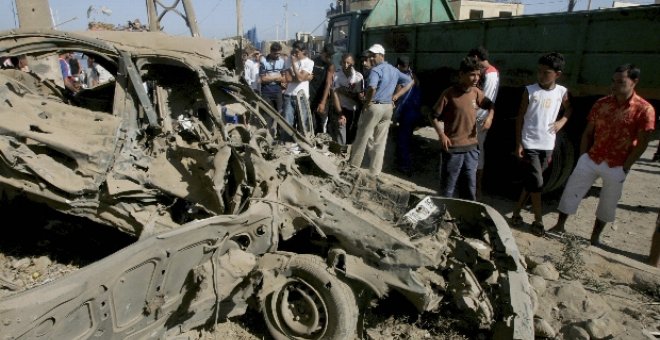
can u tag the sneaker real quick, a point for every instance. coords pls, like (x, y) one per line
(516, 220)
(537, 228)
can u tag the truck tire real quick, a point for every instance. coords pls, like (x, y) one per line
(561, 166)
(312, 303)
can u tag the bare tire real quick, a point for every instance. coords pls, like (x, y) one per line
(311, 304)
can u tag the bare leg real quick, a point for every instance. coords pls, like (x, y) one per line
(561, 222)
(599, 226)
(524, 195)
(536, 206)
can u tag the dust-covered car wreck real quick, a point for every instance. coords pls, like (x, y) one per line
(224, 219)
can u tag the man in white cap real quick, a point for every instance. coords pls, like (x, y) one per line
(377, 111)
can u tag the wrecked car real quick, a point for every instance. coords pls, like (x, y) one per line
(223, 217)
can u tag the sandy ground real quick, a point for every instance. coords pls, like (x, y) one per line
(629, 235)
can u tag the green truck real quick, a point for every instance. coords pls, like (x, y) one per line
(593, 42)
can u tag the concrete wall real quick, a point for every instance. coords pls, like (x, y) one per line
(462, 8)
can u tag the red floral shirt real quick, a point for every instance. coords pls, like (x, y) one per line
(616, 127)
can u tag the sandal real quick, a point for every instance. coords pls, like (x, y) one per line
(537, 228)
(516, 220)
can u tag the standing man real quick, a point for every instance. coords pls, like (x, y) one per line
(320, 85)
(297, 75)
(270, 74)
(376, 115)
(618, 130)
(92, 74)
(490, 83)
(536, 130)
(251, 69)
(407, 114)
(65, 68)
(347, 91)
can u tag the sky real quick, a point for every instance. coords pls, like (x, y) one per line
(217, 18)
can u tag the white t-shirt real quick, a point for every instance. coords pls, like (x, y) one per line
(353, 84)
(491, 85)
(293, 87)
(542, 111)
(248, 72)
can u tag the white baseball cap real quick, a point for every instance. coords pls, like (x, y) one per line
(377, 49)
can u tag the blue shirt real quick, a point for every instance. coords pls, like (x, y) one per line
(384, 78)
(267, 66)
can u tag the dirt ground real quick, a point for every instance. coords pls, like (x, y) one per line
(582, 292)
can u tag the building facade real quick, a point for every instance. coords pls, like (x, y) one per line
(473, 9)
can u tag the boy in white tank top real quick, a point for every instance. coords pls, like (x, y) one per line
(536, 128)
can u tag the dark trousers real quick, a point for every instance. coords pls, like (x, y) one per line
(460, 166)
(275, 100)
(407, 121)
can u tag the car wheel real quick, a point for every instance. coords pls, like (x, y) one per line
(312, 303)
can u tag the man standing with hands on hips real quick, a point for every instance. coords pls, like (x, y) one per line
(376, 115)
(618, 130)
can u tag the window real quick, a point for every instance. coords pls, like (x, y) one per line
(505, 14)
(476, 14)
(339, 36)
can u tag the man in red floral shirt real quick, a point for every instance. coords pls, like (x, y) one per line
(618, 130)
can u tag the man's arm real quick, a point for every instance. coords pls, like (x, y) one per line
(299, 74)
(369, 95)
(438, 125)
(402, 90)
(524, 103)
(268, 76)
(587, 139)
(643, 138)
(330, 76)
(487, 104)
(407, 83)
(568, 111)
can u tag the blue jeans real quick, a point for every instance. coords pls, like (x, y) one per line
(291, 111)
(460, 166)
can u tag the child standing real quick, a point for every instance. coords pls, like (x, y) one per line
(536, 129)
(455, 122)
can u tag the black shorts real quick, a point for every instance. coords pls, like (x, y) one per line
(534, 163)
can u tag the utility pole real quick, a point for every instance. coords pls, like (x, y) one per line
(188, 15)
(286, 20)
(239, 33)
(571, 5)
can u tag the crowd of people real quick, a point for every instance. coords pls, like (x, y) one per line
(358, 109)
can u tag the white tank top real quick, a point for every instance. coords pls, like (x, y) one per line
(542, 111)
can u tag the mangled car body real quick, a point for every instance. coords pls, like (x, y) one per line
(224, 218)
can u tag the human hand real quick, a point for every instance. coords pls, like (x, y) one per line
(486, 123)
(446, 142)
(320, 109)
(556, 126)
(519, 151)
